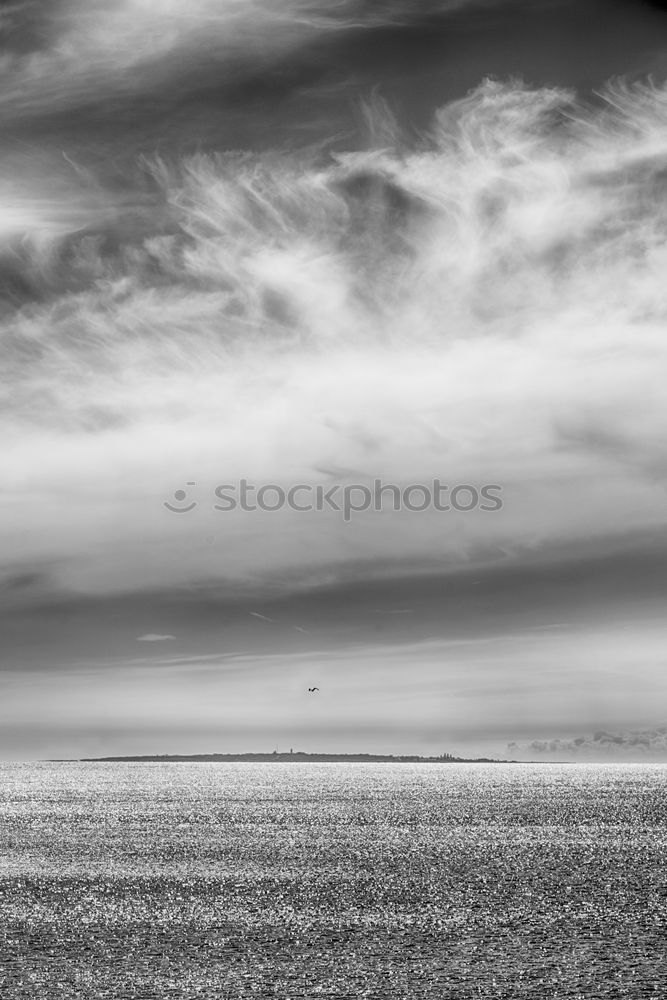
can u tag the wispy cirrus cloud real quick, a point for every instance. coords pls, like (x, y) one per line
(86, 49)
(503, 267)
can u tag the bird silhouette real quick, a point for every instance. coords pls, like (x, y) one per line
(313, 689)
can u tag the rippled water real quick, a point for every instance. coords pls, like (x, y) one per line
(235, 880)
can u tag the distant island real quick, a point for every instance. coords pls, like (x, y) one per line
(298, 757)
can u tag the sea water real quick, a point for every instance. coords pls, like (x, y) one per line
(332, 880)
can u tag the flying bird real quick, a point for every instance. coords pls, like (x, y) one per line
(313, 689)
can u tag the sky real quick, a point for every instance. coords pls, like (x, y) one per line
(297, 243)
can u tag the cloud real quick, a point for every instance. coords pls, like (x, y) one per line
(153, 637)
(98, 48)
(633, 743)
(465, 688)
(486, 306)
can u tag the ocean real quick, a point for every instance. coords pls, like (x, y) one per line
(334, 880)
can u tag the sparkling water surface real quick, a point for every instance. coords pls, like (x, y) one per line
(332, 880)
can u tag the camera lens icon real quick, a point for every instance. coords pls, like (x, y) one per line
(180, 496)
